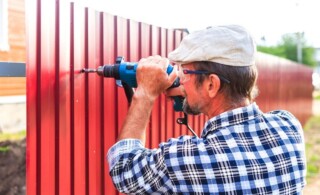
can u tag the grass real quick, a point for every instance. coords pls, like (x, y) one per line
(13, 136)
(312, 135)
(312, 124)
(313, 160)
(316, 95)
(4, 148)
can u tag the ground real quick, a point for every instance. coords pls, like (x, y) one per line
(13, 168)
(312, 139)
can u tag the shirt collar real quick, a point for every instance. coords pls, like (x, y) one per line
(231, 117)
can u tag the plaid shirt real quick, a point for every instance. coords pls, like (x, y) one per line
(242, 151)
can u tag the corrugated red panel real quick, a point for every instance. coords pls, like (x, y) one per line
(74, 118)
(284, 84)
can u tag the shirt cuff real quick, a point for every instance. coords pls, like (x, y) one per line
(122, 147)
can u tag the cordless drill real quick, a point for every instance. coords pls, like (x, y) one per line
(125, 74)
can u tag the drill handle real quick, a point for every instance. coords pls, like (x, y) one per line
(129, 91)
(178, 103)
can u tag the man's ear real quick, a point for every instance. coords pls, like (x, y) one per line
(213, 85)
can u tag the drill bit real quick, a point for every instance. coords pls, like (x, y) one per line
(88, 70)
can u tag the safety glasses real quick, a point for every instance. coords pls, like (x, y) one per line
(184, 74)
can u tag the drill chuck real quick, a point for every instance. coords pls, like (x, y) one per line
(109, 71)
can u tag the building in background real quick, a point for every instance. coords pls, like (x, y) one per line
(12, 44)
(12, 49)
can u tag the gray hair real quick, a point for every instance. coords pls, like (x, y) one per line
(242, 80)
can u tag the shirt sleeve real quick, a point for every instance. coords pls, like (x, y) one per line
(135, 169)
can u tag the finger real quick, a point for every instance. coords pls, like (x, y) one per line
(177, 91)
(157, 57)
(164, 63)
(142, 60)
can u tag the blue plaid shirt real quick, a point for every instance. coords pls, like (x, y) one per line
(242, 151)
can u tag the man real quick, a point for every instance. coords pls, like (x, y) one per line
(241, 149)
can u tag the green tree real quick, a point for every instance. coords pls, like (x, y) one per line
(287, 48)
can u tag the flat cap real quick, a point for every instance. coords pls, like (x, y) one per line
(229, 45)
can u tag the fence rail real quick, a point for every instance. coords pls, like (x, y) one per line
(12, 69)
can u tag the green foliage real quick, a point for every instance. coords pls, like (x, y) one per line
(287, 48)
(274, 50)
(4, 148)
(308, 56)
(289, 45)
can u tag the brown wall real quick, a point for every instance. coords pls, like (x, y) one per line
(17, 50)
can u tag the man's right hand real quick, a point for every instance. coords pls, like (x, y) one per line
(152, 77)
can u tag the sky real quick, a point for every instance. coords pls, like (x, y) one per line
(263, 18)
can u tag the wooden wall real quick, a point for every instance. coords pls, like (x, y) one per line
(17, 51)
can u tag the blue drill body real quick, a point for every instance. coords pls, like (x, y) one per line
(126, 73)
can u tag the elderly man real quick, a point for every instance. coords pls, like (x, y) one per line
(241, 149)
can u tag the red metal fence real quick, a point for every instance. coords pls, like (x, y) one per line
(74, 118)
(284, 84)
